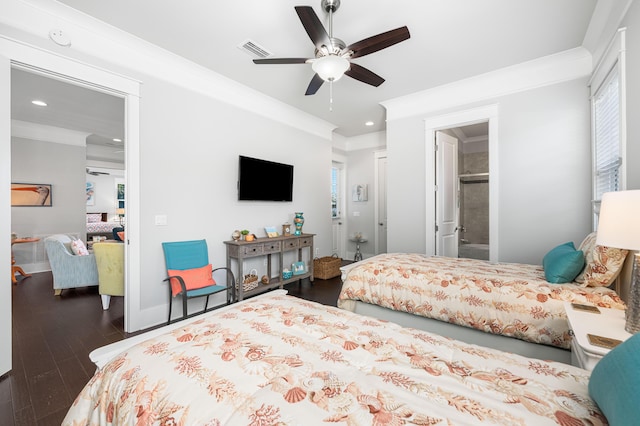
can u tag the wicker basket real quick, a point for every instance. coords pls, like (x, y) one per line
(326, 267)
(250, 281)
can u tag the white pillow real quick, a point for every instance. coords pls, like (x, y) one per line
(94, 217)
(78, 248)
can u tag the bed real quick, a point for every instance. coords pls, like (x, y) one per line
(278, 360)
(507, 306)
(99, 226)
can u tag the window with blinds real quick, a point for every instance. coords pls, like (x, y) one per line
(606, 122)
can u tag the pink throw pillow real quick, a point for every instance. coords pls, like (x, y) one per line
(193, 278)
(78, 248)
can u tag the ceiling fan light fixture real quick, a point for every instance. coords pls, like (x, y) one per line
(330, 67)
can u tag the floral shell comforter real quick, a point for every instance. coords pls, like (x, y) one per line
(509, 299)
(279, 360)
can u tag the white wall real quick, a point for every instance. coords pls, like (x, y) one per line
(189, 162)
(544, 172)
(62, 166)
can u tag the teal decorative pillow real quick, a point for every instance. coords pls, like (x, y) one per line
(615, 383)
(563, 263)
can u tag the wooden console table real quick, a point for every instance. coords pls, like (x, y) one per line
(277, 246)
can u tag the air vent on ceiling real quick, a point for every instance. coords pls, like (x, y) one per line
(254, 49)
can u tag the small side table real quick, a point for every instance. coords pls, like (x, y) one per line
(358, 255)
(608, 323)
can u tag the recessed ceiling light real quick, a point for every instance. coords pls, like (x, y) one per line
(369, 123)
(117, 140)
(39, 102)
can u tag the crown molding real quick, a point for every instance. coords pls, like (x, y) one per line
(564, 66)
(90, 36)
(44, 133)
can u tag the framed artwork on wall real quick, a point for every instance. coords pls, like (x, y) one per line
(360, 192)
(31, 195)
(91, 189)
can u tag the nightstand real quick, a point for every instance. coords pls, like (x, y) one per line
(608, 323)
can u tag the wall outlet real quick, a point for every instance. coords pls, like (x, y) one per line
(264, 263)
(356, 213)
(317, 251)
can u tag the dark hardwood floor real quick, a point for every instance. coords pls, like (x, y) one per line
(53, 336)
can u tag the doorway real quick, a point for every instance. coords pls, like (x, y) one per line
(380, 190)
(485, 116)
(15, 54)
(463, 191)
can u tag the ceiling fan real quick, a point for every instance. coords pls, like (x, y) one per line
(332, 56)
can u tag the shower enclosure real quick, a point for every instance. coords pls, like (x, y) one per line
(474, 206)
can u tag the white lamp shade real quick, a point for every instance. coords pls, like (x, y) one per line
(331, 67)
(619, 221)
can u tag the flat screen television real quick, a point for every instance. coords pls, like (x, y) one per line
(262, 180)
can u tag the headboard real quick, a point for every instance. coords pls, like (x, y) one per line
(103, 216)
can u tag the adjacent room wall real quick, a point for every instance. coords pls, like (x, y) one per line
(62, 166)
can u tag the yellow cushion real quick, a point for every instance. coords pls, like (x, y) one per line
(110, 262)
(193, 278)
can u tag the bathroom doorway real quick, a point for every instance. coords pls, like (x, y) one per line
(471, 190)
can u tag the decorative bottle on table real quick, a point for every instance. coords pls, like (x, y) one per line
(298, 221)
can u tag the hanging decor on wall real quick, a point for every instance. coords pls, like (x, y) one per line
(91, 189)
(360, 192)
(31, 195)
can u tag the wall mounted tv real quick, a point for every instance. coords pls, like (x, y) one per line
(262, 180)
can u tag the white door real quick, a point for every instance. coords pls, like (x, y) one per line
(381, 203)
(446, 195)
(337, 203)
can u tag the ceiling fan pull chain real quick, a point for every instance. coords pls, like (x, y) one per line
(331, 95)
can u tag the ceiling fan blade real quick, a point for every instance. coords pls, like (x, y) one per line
(364, 75)
(281, 61)
(378, 42)
(314, 85)
(313, 26)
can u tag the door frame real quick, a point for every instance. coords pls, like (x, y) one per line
(489, 114)
(341, 219)
(32, 58)
(376, 191)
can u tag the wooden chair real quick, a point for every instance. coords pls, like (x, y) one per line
(190, 274)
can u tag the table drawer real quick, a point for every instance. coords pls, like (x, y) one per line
(252, 250)
(305, 241)
(273, 247)
(290, 244)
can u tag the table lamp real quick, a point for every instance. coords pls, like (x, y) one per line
(120, 213)
(619, 227)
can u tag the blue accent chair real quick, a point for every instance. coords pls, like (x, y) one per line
(185, 255)
(69, 270)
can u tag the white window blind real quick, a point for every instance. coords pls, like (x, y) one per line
(606, 116)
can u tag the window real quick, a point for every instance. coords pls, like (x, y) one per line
(606, 128)
(608, 112)
(335, 192)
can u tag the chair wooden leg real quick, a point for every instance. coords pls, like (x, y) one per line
(106, 299)
(57, 291)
